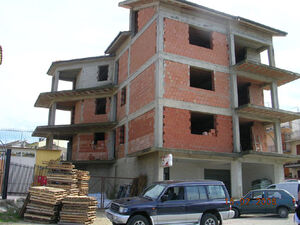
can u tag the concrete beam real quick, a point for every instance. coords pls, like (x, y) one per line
(236, 179)
(196, 107)
(194, 62)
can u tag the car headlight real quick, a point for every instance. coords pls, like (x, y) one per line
(123, 209)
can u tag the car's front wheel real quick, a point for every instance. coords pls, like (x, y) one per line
(283, 212)
(209, 219)
(236, 212)
(138, 220)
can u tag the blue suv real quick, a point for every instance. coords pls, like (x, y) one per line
(174, 202)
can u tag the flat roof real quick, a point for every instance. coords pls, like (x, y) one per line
(187, 4)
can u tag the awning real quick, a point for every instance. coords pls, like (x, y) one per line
(266, 114)
(66, 99)
(65, 132)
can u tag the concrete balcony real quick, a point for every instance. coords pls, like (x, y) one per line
(266, 114)
(66, 99)
(264, 73)
(65, 132)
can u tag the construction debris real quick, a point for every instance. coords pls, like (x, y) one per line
(83, 182)
(44, 204)
(63, 175)
(78, 210)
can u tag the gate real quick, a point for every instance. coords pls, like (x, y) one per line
(20, 178)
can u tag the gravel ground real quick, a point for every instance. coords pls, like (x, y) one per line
(244, 220)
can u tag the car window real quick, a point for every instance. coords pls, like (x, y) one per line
(274, 194)
(215, 192)
(196, 193)
(257, 194)
(154, 191)
(272, 187)
(175, 193)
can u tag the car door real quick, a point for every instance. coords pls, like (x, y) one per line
(196, 202)
(274, 198)
(254, 202)
(171, 210)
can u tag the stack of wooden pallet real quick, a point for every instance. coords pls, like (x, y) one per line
(62, 175)
(83, 182)
(78, 210)
(44, 204)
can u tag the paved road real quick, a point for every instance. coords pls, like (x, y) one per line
(244, 220)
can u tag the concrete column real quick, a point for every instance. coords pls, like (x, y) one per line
(52, 112)
(49, 142)
(271, 56)
(274, 95)
(113, 108)
(278, 173)
(277, 137)
(55, 80)
(234, 97)
(159, 175)
(236, 179)
(111, 136)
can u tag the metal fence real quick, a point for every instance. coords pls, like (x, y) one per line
(20, 178)
(106, 188)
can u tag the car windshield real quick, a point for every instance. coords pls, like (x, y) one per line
(153, 191)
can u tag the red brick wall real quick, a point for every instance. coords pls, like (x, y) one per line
(123, 67)
(144, 16)
(177, 133)
(256, 95)
(143, 48)
(259, 132)
(120, 148)
(177, 87)
(84, 149)
(121, 110)
(89, 108)
(176, 38)
(141, 132)
(142, 89)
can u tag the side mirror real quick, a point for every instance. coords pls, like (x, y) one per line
(164, 198)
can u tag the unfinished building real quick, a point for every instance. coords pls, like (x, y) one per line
(184, 80)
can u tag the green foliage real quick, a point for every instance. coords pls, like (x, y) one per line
(10, 216)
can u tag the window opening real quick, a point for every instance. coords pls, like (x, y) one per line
(102, 73)
(246, 136)
(98, 137)
(200, 78)
(122, 134)
(123, 96)
(200, 37)
(100, 106)
(243, 93)
(202, 124)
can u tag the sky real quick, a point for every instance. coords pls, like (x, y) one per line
(34, 33)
